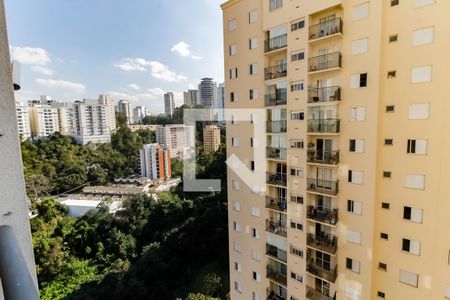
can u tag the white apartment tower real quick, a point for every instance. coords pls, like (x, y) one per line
(178, 138)
(123, 107)
(169, 103)
(23, 121)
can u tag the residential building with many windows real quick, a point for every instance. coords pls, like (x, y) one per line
(23, 121)
(211, 138)
(355, 93)
(178, 138)
(155, 162)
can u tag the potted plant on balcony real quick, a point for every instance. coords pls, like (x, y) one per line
(333, 216)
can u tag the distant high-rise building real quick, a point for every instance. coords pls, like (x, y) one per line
(92, 122)
(123, 107)
(23, 121)
(139, 112)
(191, 98)
(106, 100)
(211, 138)
(207, 90)
(178, 138)
(169, 103)
(66, 117)
(44, 120)
(155, 162)
(220, 100)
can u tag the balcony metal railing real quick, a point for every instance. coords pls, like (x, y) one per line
(326, 28)
(324, 125)
(272, 295)
(276, 178)
(276, 153)
(329, 216)
(16, 280)
(322, 241)
(316, 270)
(275, 43)
(325, 62)
(313, 294)
(276, 275)
(276, 126)
(278, 228)
(279, 204)
(275, 72)
(277, 98)
(276, 252)
(323, 157)
(323, 186)
(324, 94)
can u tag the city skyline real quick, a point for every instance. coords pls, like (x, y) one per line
(147, 63)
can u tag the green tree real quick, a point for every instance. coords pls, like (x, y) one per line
(212, 283)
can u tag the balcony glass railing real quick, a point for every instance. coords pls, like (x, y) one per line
(324, 215)
(325, 62)
(277, 275)
(275, 72)
(276, 153)
(276, 252)
(275, 43)
(326, 28)
(277, 98)
(276, 126)
(323, 157)
(279, 204)
(313, 294)
(274, 295)
(322, 241)
(324, 94)
(278, 228)
(322, 186)
(324, 125)
(319, 271)
(276, 178)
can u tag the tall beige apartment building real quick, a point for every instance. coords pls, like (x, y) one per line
(211, 138)
(357, 98)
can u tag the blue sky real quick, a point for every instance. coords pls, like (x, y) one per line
(133, 49)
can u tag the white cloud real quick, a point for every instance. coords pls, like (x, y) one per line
(134, 86)
(156, 69)
(160, 71)
(132, 64)
(42, 70)
(61, 84)
(182, 49)
(156, 92)
(30, 56)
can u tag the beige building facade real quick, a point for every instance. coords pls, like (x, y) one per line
(356, 96)
(211, 138)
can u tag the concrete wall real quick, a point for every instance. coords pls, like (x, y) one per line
(13, 204)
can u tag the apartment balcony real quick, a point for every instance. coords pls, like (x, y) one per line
(325, 29)
(276, 252)
(272, 295)
(318, 271)
(276, 153)
(323, 157)
(322, 186)
(323, 215)
(276, 275)
(325, 62)
(275, 43)
(313, 294)
(276, 126)
(277, 98)
(324, 94)
(276, 204)
(278, 228)
(274, 72)
(322, 126)
(322, 242)
(276, 178)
